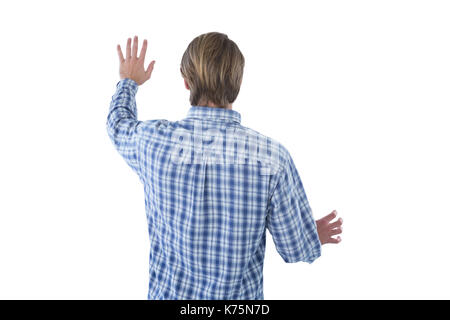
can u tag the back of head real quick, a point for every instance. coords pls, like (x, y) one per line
(213, 67)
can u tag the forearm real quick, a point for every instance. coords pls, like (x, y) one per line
(123, 105)
(122, 124)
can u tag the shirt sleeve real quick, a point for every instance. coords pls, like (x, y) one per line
(289, 218)
(122, 124)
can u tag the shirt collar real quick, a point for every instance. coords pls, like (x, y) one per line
(213, 113)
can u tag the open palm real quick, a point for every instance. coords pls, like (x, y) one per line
(132, 66)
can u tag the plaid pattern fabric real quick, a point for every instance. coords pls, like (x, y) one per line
(208, 208)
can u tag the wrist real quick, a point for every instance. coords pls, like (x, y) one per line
(128, 83)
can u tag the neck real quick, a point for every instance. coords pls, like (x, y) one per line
(212, 105)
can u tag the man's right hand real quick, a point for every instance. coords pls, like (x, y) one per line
(326, 229)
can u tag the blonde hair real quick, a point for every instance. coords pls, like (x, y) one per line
(213, 67)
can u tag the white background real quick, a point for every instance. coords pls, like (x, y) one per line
(358, 91)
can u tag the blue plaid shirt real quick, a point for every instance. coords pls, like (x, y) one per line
(212, 187)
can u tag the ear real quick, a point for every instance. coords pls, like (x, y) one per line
(186, 84)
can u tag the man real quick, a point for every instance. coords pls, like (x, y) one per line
(212, 186)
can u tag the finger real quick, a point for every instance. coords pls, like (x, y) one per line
(335, 231)
(135, 47)
(143, 50)
(336, 224)
(129, 48)
(150, 69)
(330, 217)
(119, 52)
(334, 240)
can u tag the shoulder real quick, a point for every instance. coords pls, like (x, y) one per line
(271, 149)
(154, 127)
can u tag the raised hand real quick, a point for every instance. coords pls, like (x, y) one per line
(133, 66)
(326, 229)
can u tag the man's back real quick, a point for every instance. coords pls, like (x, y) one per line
(212, 187)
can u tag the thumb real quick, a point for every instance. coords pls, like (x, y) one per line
(149, 70)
